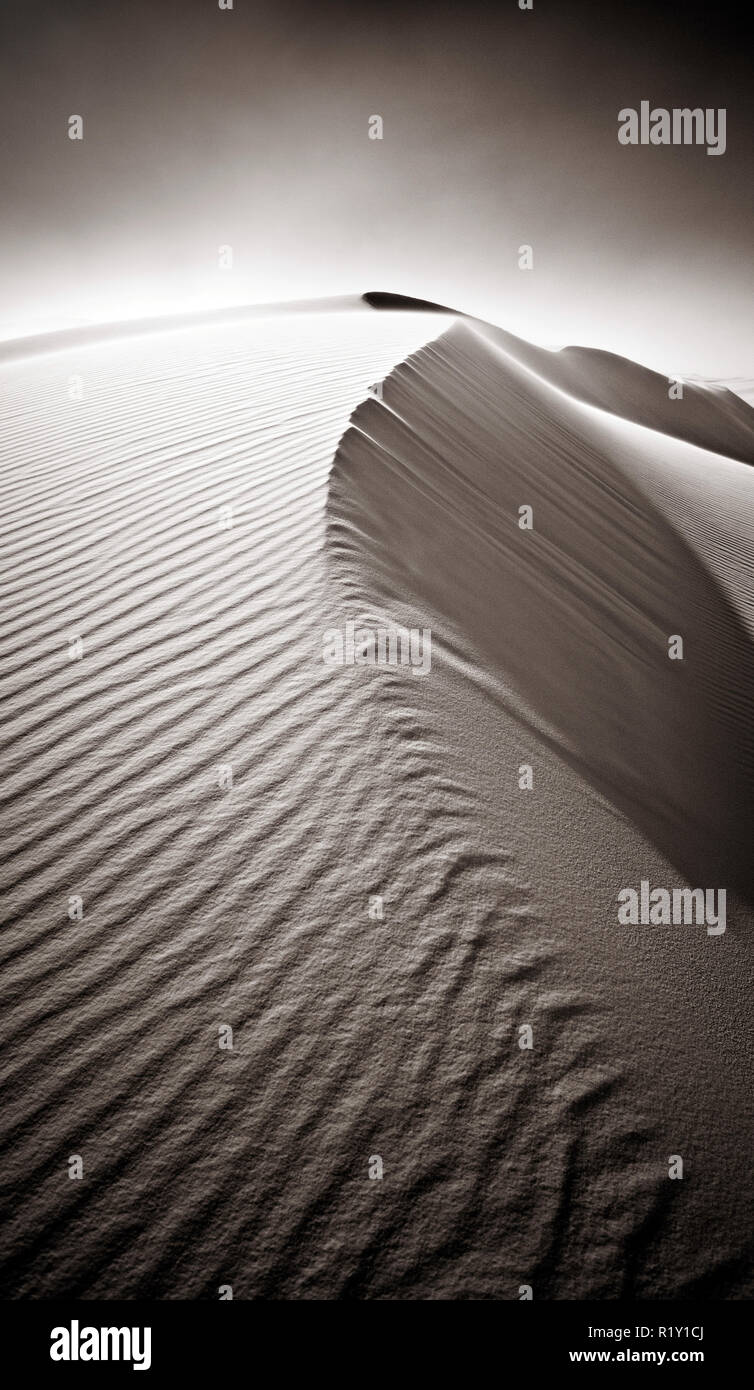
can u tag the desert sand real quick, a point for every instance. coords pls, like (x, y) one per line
(339, 864)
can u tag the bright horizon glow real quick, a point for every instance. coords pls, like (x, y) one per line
(535, 323)
(249, 129)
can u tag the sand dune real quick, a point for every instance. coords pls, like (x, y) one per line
(709, 415)
(209, 904)
(577, 612)
(33, 345)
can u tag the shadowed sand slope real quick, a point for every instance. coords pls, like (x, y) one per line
(550, 649)
(707, 414)
(713, 415)
(576, 613)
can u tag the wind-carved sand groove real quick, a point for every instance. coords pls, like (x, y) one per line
(569, 625)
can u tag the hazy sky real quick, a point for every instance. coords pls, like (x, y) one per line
(249, 128)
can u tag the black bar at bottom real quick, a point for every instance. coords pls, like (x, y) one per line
(95, 1341)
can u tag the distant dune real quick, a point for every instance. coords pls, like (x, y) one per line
(13, 349)
(338, 863)
(711, 416)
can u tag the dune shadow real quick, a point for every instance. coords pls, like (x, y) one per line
(383, 299)
(579, 614)
(711, 417)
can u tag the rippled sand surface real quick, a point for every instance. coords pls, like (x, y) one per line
(230, 810)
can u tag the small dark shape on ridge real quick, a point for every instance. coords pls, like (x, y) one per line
(379, 299)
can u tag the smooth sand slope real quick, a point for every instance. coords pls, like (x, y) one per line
(248, 905)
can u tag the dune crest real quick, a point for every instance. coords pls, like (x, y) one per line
(708, 414)
(575, 615)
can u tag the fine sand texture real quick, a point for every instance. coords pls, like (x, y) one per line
(338, 863)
